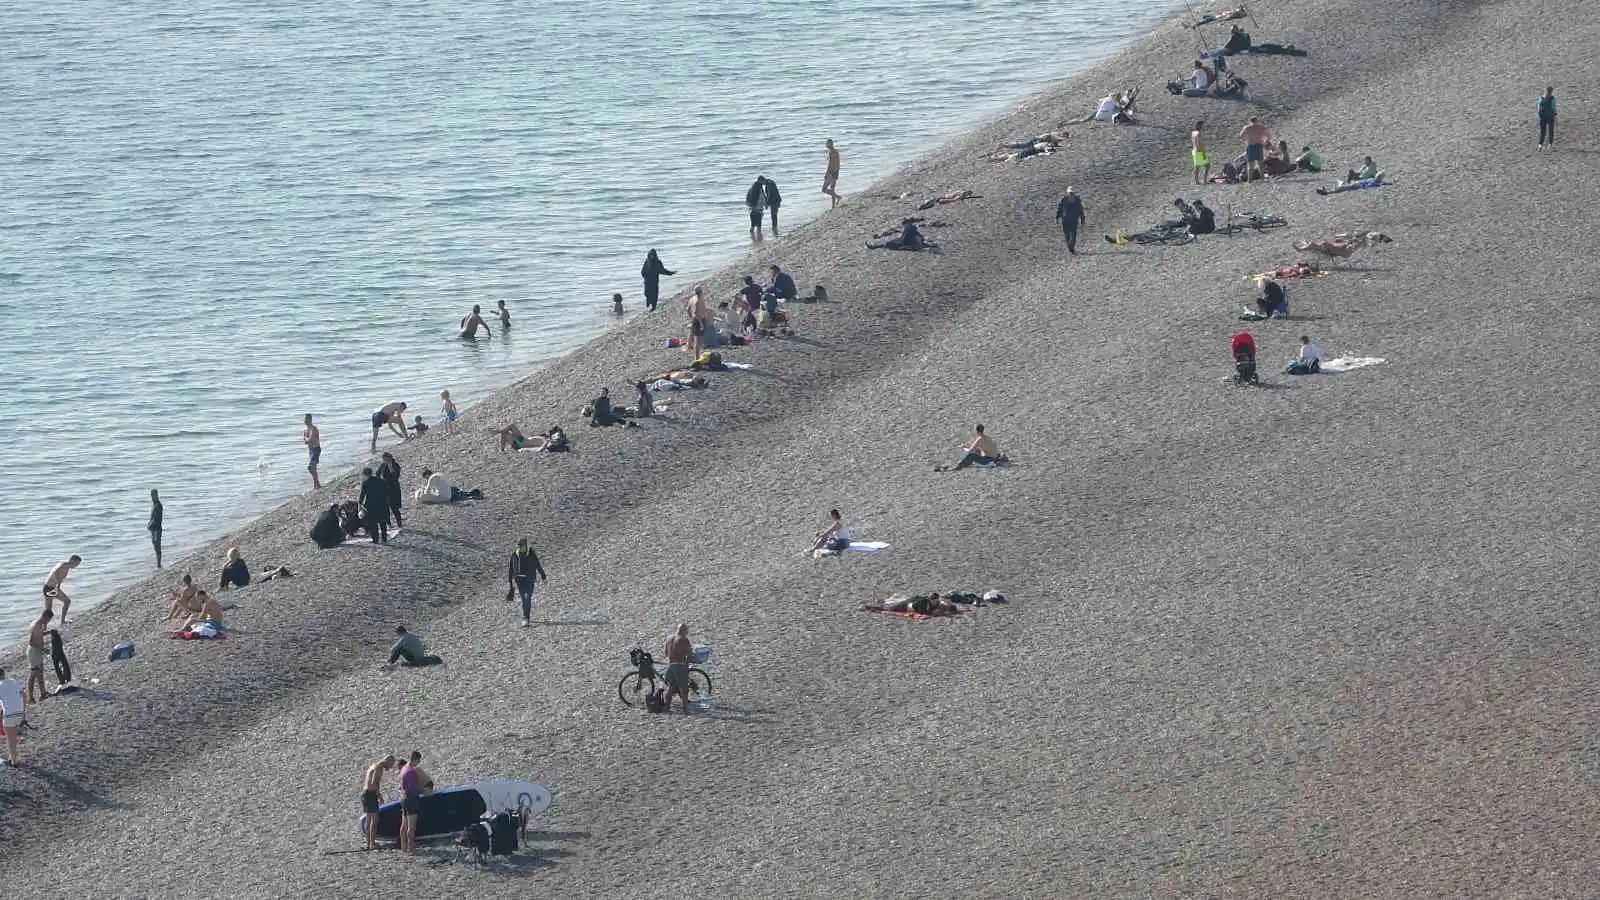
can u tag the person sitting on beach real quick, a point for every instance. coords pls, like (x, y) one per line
(601, 413)
(438, 489)
(1238, 41)
(1308, 361)
(1271, 303)
(350, 518)
(1115, 108)
(1278, 161)
(208, 611)
(782, 286)
(325, 532)
(917, 604)
(748, 300)
(981, 451)
(1369, 169)
(1200, 81)
(409, 650)
(645, 404)
(835, 537)
(183, 599)
(234, 572)
(1308, 160)
(910, 239)
(471, 322)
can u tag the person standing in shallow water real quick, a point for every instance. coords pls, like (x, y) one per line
(505, 315)
(652, 272)
(312, 438)
(774, 200)
(154, 525)
(755, 200)
(1070, 212)
(830, 176)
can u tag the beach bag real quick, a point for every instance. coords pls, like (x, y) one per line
(656, 700)
(502, 834)
(476, 838)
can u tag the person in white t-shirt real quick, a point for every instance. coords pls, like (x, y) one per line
(1106, 110)
(439, 489)
(11, 715)
(1309, 359)
(836, 537)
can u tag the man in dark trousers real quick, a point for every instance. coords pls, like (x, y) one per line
(374, 502)
(774, 200)
(523, 571)
(154, 525)
(1547, 120)
(1070, 212)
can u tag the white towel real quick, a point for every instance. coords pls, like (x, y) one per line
(733, 365)
(1346, 363)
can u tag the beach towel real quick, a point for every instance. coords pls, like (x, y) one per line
(855, 547)
(734, 365)
(1346, 363)
(1343, 186)
(203, 631)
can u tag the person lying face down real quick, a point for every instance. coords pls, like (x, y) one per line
(910, 239)
(512, 438)
(929, 605)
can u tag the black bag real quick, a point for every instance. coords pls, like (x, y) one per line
(502, 834)
(656, 700)
(476, 836)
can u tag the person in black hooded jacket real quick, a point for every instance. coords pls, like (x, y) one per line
(374, 500)
(326, 532)
(774, 200)
(389, 471)
(652, 272)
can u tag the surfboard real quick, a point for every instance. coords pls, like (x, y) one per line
(447, 811)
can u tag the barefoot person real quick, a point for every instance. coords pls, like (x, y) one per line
(183, 599)
(153, 525)
(312, 438)
(36, 654)
(392, 415)
(471, 322)
(1197, 154)
(12, 715)
(372, 797)
(677, 651)
(981, 451)
(755, 200)
(1256, 137)
(414, 782)
(53, 586)
(699, 309)
(830, 176)
(835, 536)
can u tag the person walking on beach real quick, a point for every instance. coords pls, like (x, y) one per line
(1547, 118)
(312, 438)
(374, 502)
(677, 650)
(471, 322)
(154, 524)
(392, 415)
(13, 712)
(774, 200)
(1197, 153)
(755, 200)
(830, 176)
(414, 782)
(36, 655)
(389, 471)
(1070, 212)
(372, 797)
(53, 582)
(652, 272)
(523, 572)
(1256, 138)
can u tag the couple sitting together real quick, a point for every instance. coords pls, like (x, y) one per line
(552, 441)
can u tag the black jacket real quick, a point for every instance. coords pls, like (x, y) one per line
(774, 198)
(390, 473)
(653, 269)
(524, 568)
(327, 532)
(374, 498)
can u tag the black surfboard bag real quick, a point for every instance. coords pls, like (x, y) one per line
(58, 658)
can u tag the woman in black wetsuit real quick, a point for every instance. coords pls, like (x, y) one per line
(652, 272)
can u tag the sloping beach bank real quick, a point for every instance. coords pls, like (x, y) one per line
(1328, 638)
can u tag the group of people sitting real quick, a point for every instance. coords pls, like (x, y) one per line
(1195, 218)
(1209, 80)
(1117, 108)
(755, 309)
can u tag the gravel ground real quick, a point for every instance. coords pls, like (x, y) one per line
(1329, 637)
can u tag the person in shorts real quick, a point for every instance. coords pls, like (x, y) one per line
(390, 414)
(677, 651)
(414, 782)
(1256, 137)
(36, 654)
(312, 438)
(372, 796)
(12, 715)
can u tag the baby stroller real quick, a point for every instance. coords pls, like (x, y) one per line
(1244, 359)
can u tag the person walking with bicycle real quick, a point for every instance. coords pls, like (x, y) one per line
(523, 572)
(678, 649)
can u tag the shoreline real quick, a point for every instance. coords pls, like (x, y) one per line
(1314, 639)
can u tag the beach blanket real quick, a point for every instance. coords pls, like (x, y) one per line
(1347, 363)
(855, 547)
(203, 631)
(734, 365)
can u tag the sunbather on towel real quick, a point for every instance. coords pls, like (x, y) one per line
(1344, 244)
(951, 197)
(919, 604)
(910, 239)
(835, 537)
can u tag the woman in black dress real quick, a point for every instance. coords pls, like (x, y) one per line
(652, 272)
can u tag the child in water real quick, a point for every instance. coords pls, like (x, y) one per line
(616, 304)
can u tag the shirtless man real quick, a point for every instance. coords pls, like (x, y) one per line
(183, 601)
(830, 177)
(390, 414)
(981, 451)
(473, 321)
(699, 319)
(677, 651)
(36, 654)
(52, 586)
(372, 797)
(312, 438)
(1256, 137)
(208, 610)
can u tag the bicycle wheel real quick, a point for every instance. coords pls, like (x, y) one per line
(1175, 238)
(699, 684)
(633, 688)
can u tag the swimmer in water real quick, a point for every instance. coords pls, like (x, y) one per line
(505, 315)
(616, 304)
(472, 322)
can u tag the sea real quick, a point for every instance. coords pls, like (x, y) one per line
(219, 215)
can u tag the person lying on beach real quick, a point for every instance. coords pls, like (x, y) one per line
(918, 604)
(835, 537)
(439, 489)
(471, 322)
(1339, 187)
(1226, 16)
(234, 571)
(390, 414)
(910, 239)
(1343, 244)
(676, 380)
(980, 451)
(183, 599)
(1038, 145)
(601, 414)
(1293, 270)
(552, 441)
(950, 197)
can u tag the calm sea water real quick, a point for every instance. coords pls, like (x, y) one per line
(218, 215)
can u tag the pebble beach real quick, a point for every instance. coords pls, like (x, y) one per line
(1332, 636)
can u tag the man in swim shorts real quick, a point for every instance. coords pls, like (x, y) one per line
(36, 654)
(677, 651)
(413, 784)
(12, 715)
(1197, 153)
(372, 796)
(1256, 137)
(830, 177)
(390, 414)
(312, 438)
(980, 451)
(53, 582)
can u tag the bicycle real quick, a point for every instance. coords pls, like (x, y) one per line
(641, 682)
(1168, 233)
(1257, 221)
